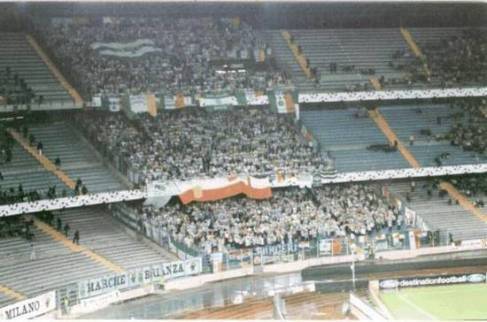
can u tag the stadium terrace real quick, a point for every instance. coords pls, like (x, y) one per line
(276, 160)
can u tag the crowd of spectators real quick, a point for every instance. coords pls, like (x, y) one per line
(16, 226)
(295, 215)
(458, 60)
(13, 195)
(6, 146)
(185, 56)
(469, 129)
(14, 90)
(473, 186)
(195, 143)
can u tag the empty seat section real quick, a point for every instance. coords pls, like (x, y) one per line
(347, 137)
(77, 159)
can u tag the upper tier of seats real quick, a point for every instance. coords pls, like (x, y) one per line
(386, 52)
(363, 48)
(455, 56)
(17, 53)
(136, 54)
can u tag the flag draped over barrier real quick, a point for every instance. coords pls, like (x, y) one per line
(223, 100)
(138, 103)
(111, 103)
(252, 188)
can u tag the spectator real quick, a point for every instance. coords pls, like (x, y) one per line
(57, 162)
(59, 224)
(40, 146)
(181, 56)
(290, 215)
(76, 237)
(194, 143)
(66, 229)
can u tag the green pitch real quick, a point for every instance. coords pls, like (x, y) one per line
(452, 302)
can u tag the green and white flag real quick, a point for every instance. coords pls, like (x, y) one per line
(138, 103)
(132, 49)
(280, 102)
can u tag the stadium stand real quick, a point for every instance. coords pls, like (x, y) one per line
(440, 212)
(472, 186)
(19, 250)
(110, 68)
(100, 234)
(291, 215)
(57, 272)
(106, 236)
(286, 59)
(78, 160)
(454, 56)
(194, 58)
(206, 144)
(347, 134)
(427, 124)
(24, 170)
(17, 54)
(356, 53)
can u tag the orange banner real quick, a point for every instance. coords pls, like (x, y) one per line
(152, 105)
(179, 100)
(289, 103)
(197, 194)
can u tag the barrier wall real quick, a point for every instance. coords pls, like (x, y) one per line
(250, 98)
(364, 269)
(391, 95)
(110, 289)
(30, 308)
(411, 253)
(254, 187)
(364, 310)
(99, 302)
(432, 280)
(71, 202)
(138, 277)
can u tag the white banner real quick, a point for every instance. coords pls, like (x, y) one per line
(169, 102)
(138, 277)
(30, 308)
(412, 240)
(326, 246)
(410, 216)
(136, 48)
(122, 46)
(479, 243)
(218, 101)
(138, 103)
(254, 99)
(114, 104)
(259, 183)
(96, 101)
